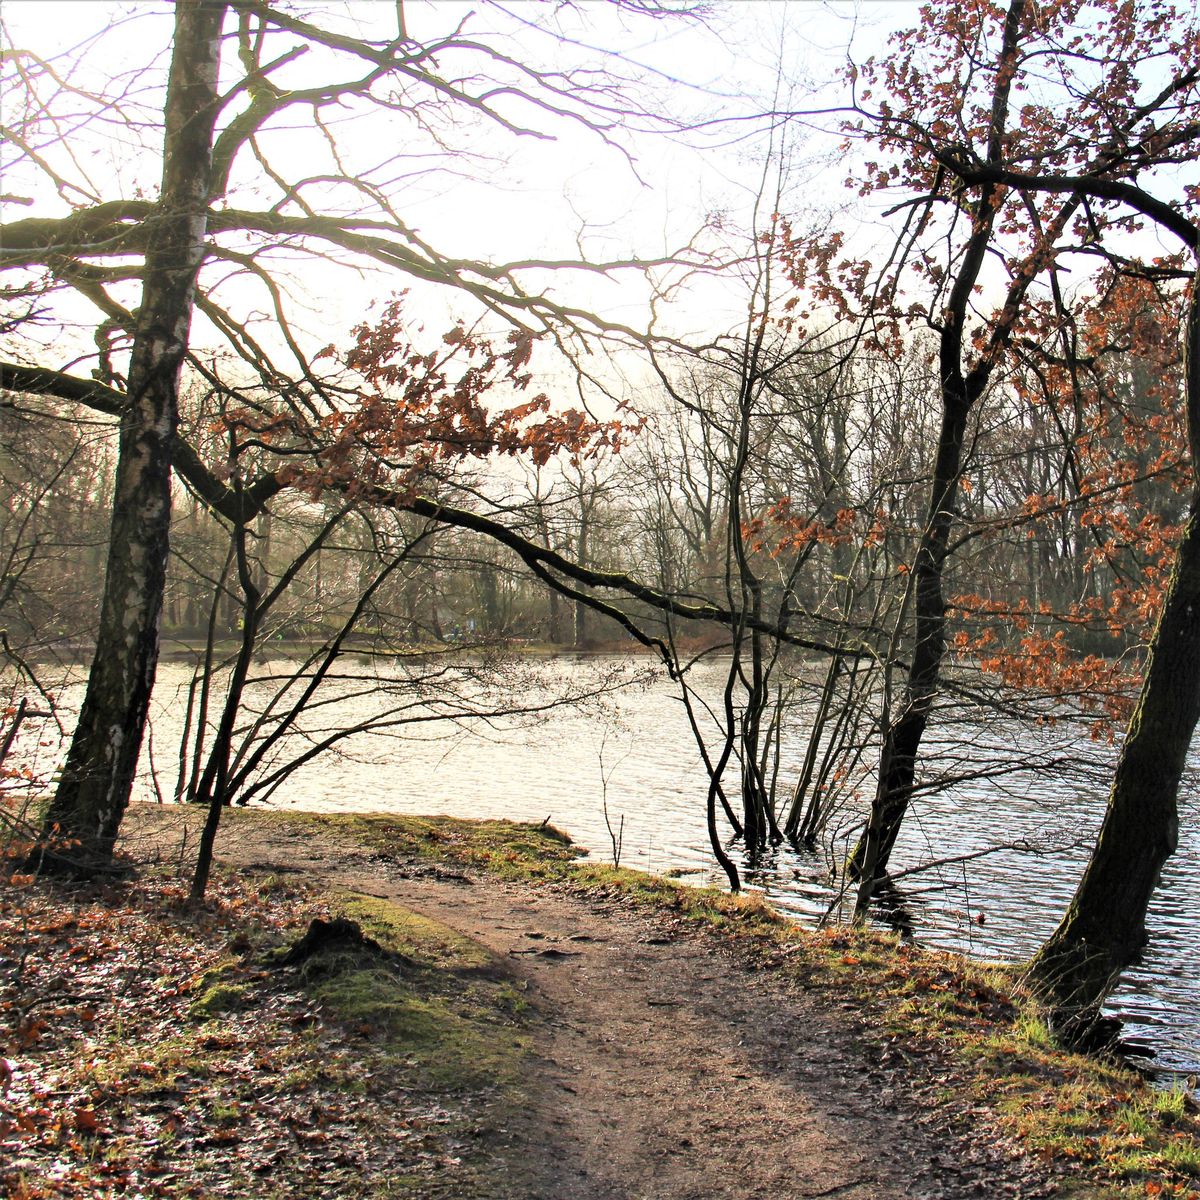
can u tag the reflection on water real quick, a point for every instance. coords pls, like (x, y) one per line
(1010, 846)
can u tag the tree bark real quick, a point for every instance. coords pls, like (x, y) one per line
(1104, 928)
(84, 817)
(959, 391)
(581, 554)
(903, 736)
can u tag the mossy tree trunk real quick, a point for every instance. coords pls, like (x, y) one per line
(85, 814)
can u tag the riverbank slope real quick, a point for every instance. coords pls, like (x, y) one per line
(527, 1026)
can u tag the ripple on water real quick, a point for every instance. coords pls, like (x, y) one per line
(999, 905)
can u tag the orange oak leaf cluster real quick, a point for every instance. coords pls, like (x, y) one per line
(403, 415)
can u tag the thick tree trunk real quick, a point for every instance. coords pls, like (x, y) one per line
(1104, 928)
(581, 552)
(554, 619)
(85, 815)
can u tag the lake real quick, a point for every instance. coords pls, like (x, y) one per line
(1018, 841)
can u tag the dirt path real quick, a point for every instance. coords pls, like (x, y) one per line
(667, 1069)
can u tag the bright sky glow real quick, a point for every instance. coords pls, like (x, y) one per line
(506, 198)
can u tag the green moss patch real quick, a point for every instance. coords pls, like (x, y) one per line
(932, 1015)
(444, 1010)
(418, 938)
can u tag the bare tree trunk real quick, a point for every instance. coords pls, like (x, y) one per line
(1104, 928)
(903, 736)
(554, 625)
(960, 389)
(792, 824)
(582, 554)
(85, 815)
(214, 781)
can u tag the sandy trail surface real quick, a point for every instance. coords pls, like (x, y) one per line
(667, 1064)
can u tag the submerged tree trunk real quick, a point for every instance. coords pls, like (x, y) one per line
(961, 388)
(85, 814)
(1104, 928)
(902, 737)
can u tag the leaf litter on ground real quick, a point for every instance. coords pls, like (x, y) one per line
(148, 1048)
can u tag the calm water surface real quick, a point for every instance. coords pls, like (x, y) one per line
(635, 751)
